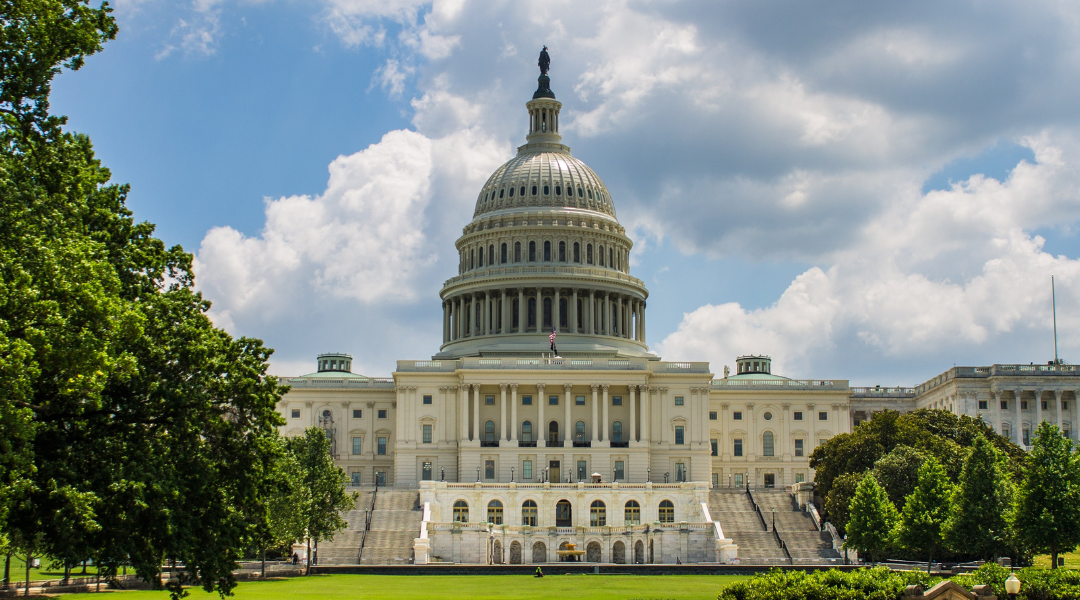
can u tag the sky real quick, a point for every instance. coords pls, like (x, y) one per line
(865, 191)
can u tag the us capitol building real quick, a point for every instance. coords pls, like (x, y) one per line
(498, 450)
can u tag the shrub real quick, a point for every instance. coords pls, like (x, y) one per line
(870, 584)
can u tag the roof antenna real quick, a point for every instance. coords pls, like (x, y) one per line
(1053, 296)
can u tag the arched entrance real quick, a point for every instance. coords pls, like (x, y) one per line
(618, 553)
(539, 552)
(564, 514)
(496, 553)
(639, 553)
(515, 552)
(592, 552)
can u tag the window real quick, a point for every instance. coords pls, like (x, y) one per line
(1044, 404)
(798, 447)
(680, 471)
(553, 400)
(526, 431)
(427, 433)
(382, 413)
(357, 445)
(528, 513)
(382, 446)
(489, 400)
(553, 431)
(616, 432)
(547, 251)
(503, 254)
(579, 400)
(354, 478)
(380, 478)
(738, 479)
(425, 471)
(577, 252)
(489, 469)
(678, 400)
(767, 416)
(1023, 405)
(667, 512)
(823, 416)
(357, 413)
(296, 413)
(983, 404)
(1027, 436)
(678, 434)
(526, 469)
(534, 190)
(480, 262)
(737, 450)
(797, 415)
(716, 480)
(597, 514)
(600, 254)
(532, 251)
(517, 251)
(461, 511)
(767, 443)
(558, 190)
(1004, 405)
(715, 444)
(562, 251)
(582, 471)
(526, 400)
(588, 253)
(495, 512)
(632, 513)
(712, 415)
(616, 400)
(619, 469)
(736, 415)
(427, 399)
(579, 431)
(489, 431)
(547, 190)
(800, 477)
(1064, 405)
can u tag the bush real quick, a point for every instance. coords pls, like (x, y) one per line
(1035, 584)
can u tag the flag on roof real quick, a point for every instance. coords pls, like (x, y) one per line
(552, 336)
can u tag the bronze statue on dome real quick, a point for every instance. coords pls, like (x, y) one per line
(545, 61)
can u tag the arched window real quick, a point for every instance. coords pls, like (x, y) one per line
(562, 312)
(517, 251)
(588, 253)
(562, 251)
(522, 191)
(558, 190)
(511, 192)
(553, 430)
(501, 192)
(489, 431)
(526, 431)
(579, 431)
(547, 314)
(564, 514)
(495, 512)
(534, 190)
(616, 432)
(611, 258)
(580, 193)
(528, 513)
(577, 252)
(600, 251)
(517, 313)
(480, 263)
(547, 251)
(547, 190)
(597, 514)
(767, 444)
(632, 513)
(532, 312)
(532, 251)
(667, 511)
(491, 254)
(504, 253)
(472, 258)
(461, 511)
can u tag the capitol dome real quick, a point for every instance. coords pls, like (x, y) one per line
(544, 252)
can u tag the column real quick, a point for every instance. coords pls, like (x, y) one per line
(445, 322)
(633, 414)
(839, 429)
(703, 420)
(590, 314)
(463, 411)
(555, 313)
(605, 426)
(370, 424)
(541, 401)
(1057, 407)
(513, 412)
(643, 322)
(595, 420)
(995, 397)
(522, 310)
(502, 414)
(724, 442)
(568, 427)
(539, 311)
(573, 312)
(605, 328)
(507, 313)
(646, 412)
(476, 411)
(470, 316)
(485, 327)
(455, 318)
(1018, 426)
(399, 418)
(1038, 413)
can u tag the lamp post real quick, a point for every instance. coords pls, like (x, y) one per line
(442, 473)
(747, 476)
(1012, 586)
(774, 520)
(477, 474)
(729, 480)
(667, 476)
(648, 475)
(511, 474)
(613, 472)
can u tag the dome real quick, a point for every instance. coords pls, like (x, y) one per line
(544, 175)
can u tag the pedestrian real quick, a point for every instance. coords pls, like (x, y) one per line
(551, 337)
(538, 573)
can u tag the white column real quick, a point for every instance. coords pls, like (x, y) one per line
(445, 321)
(476, 411)
(523, 311)
(646, 412)
(1057, 407)
(483, 314)
(541, 401)
(539, 310)
(555, 313)
(633, 414)
(995, 397)
(590, 313)
(513, 413)
(1018, 426)
(463, 411)
(568, 430)
(595, 423)
(573, 312)
(503, 433)
(724, 442)
(605, 425)
(399, 420)
(1038, 413)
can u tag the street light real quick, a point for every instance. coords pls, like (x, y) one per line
(1012, 586)
(442, 473)
(477, 474)
(648, 475)
(667, 476)
(774, 519)
(511, 473)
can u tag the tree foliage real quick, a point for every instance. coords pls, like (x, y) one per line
(321, 497)
(1047, 508)
(898, 472)
(977, 524)
(922, 522)
(871, 520)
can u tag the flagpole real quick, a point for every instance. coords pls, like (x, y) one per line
(1053, 297)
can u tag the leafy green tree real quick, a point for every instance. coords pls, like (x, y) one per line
(871, 520)
(280, 523)
(922, 522)
(977, 524)
(898, 472)
(1046, 516)
(321, 498)
(839, 499)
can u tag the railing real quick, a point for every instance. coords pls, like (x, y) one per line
(812, 509)
(780, 542)
(882, 392)
(500, 272)
(1013, 370)
(524, 444)
(489, 444)
(620, 444)
(757, 509)
(578, 444)
(340, 382)
(554, 444)
(367, 523)
(792, 384)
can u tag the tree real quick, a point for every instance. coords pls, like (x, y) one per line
(1046, 516)
(839, 500)
(321, 498)
(898, 472)
(280, 523)
(871, 519)
(922, 521)
(977, 523)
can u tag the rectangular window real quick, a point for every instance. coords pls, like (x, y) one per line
(1027, 437)
(798, 447)
(427, 434)
(716, 480)
(736, 416)
(380, 477)
(357, 445)
(582, 471)
(799, 478)
(737, 450)
(983, 404)
(489, 400)
(382, 446)
(357, 413)
(1023, 405)
(619, 470)
(738, 480)
(715, 443)
(823, 416)
(712, 415)
(1044, 404)
(678, 434)
(354, 478)
(526, 469)
(680, 471)
(296, 413)
(425, 471)
(1004, 405)
(797, 416)
(382, 413)
(678, 400)
(427, 399)
(489, 469)
(579, 400)
(526, 400)
(1064, 405)
(553, 400)
(616, 400)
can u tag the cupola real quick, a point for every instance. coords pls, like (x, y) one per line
(335, 362)
(753, 363)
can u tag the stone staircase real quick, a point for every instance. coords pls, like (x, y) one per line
(395, 523)
(345, 547)
(804, 542)
(740, 522)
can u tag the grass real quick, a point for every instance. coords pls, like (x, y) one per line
(454, 587)
(1072, 560)
(18, 570)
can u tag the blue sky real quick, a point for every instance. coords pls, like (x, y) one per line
(864, 192)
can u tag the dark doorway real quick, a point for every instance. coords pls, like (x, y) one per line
(564, 515)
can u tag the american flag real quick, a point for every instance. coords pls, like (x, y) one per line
(552, 336)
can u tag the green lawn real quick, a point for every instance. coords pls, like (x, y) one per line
(454, 587)
(18, 570)
(1072, 560)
